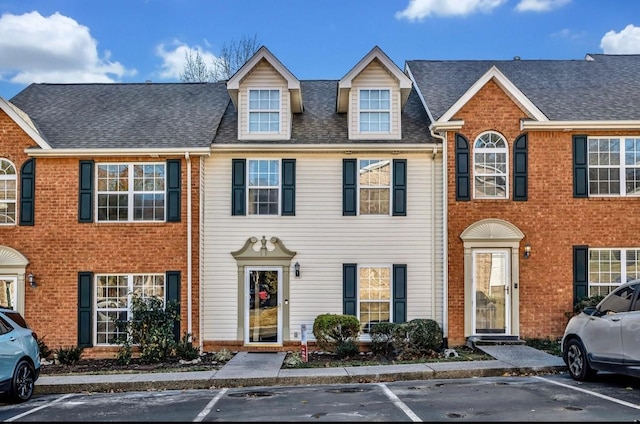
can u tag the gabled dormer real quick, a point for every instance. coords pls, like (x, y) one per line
(266, 95)
(373, 94)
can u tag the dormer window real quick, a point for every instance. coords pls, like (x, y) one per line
(375, 111)
(264, 111)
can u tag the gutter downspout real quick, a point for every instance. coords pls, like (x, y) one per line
(433, 231)
(189, 247)
(445, 253)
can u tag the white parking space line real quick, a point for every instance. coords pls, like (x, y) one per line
(31, 411)
(589, 392)
(207, 409)
(400, 404)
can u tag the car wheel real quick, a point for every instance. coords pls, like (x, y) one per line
(577, 362)
(23, 383)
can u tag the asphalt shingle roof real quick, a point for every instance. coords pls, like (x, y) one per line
(605, 88)
(149, 115)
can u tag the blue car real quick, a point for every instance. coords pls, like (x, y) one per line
(19, 356)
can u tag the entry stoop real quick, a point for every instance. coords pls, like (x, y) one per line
(494, 339)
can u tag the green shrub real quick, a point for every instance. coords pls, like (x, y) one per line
(45, 352)
(417, 337)
(70, 355)
(125, 353)
(186, 350)
(223, 355)
(347, 349)
(331, 330)
(151, 328)
(382, 338)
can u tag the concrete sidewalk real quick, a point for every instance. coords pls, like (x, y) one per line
(265, 369)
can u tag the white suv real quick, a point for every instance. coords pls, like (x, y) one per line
(605, 337)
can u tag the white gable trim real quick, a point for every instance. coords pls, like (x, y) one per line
(512, 91)
(24, 122)
(293, 84)
(344, 85)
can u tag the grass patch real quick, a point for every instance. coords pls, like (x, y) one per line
(546, 345)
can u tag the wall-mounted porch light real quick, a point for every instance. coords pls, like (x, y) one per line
(296, 267)
(527, 251)
(32, 280)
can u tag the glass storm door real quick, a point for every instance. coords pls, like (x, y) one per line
(262, 305)
(491, 284)
(8, 291)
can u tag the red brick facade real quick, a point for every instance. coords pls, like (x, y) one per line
(552, 220)
(58, 246)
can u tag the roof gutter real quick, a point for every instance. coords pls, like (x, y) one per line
(115, 152)
(578, 125)
(340, 148)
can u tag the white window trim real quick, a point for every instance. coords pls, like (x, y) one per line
(278, 187)
(279, 110)
(623, 269)
(14, 202)
(130, 278)
(389, 187)
(507, 175)
(130, 193)
(621, 167)
(367, 336)
(360, 110)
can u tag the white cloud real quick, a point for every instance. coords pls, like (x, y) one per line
(54, 49)
(540, 5)
(626, 41)
(417, 10)
(174, 58)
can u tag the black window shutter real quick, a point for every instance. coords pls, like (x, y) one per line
(289, 187)
(27, 192)
(400, 293)
(462, 168)
(85, 308)
(580, 166)
(85, 196)
(520, 168)
(349, 289)
(580, 273)
(349, 187)
(174, 194)
(173, 295)
(238, 196)
(399, 187)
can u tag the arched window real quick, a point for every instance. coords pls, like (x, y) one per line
(8, 190)
(490, 167)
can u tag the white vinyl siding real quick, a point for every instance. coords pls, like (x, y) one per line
(323, 240)
(374, 77)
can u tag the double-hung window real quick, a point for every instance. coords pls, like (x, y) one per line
(264, 186)
(375, 293)
(375, 111)
(130, 191)
(609, 268)
(114, 294)
(614, 166)
(374, 296)
(375, 186)
(264, 111)
(490, 166)
(8, 192)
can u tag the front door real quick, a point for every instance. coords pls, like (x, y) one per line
(491, 287)
(8, 291)
(263, 317)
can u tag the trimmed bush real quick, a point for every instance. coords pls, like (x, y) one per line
(424, 335)
(70, 355)
(331, 331)
(383, 338)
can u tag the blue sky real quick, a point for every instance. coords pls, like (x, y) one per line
(78, 41)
